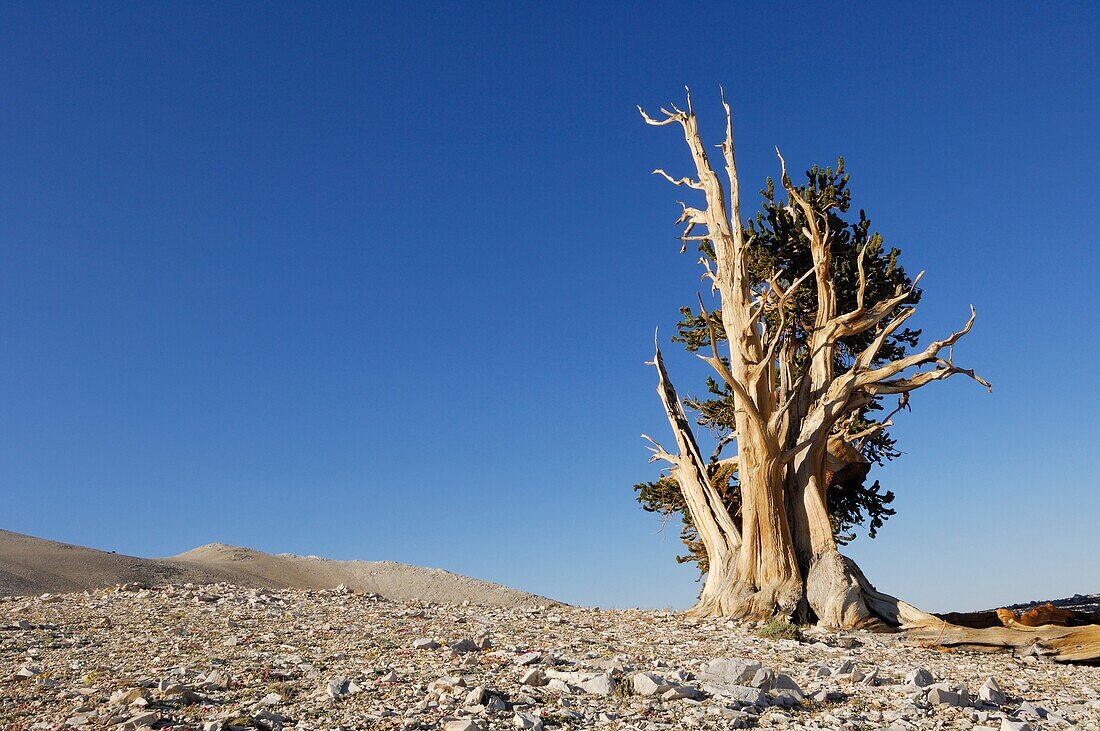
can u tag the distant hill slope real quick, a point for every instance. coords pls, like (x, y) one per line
(30, 565)
(388, 578)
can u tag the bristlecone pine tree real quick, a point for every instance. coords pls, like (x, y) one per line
(807, 339)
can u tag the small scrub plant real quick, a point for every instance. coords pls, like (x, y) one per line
(780, 629)
(621, 689)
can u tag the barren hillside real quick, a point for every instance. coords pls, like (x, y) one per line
(31, 565)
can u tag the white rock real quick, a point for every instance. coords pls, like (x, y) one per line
(740, 719)
(139, 721)
(463, 724)
(527, 721)
(1031, 709)
(746, 695)
(132, 697)
(447, 684)
(763, 678)
(269, 716)
(734, 672)
(532, 677)
(337, 687)
(650, 684)
(529, 658)
(181, 690)
(844, 669)
(785, 682)
(602, 684)
(920, 678)
(678, 675)
(215, 680)
(425, 643)
(942, 697)
(991, 692)
(787, 697)
(680, 691)
(271, 699)
(476, 697)
(1010, 725)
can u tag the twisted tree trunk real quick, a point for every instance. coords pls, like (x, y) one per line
(778, 556)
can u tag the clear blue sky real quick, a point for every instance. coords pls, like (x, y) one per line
(378, 281)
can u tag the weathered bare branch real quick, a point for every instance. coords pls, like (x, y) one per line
(782, 296)
(708, 272)
(712, 520)
(669, 118)
(927, 355)
(861, 291)
(867, 357)
(742, 399)
(860, 320)
(822, 341)
(869, 431)
(715, 457)
(658, 452)
(887, 421)
(792, 395)
(731, 164)
(944, 370)
(715, 360)
(678, 181)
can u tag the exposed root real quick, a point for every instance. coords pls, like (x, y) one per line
(836, 595)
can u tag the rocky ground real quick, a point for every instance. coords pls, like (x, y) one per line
(223, 657)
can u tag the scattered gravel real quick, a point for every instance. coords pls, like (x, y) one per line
(221, 657)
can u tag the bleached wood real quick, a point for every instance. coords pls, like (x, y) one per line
(716, 528)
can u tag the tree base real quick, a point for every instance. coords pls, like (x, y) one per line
(836, 594)
(727, 593)
(741, 600)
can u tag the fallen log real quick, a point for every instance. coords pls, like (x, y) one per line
(1033, 617)
(1047, 613)
(1063, 644)
(1060, 643)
